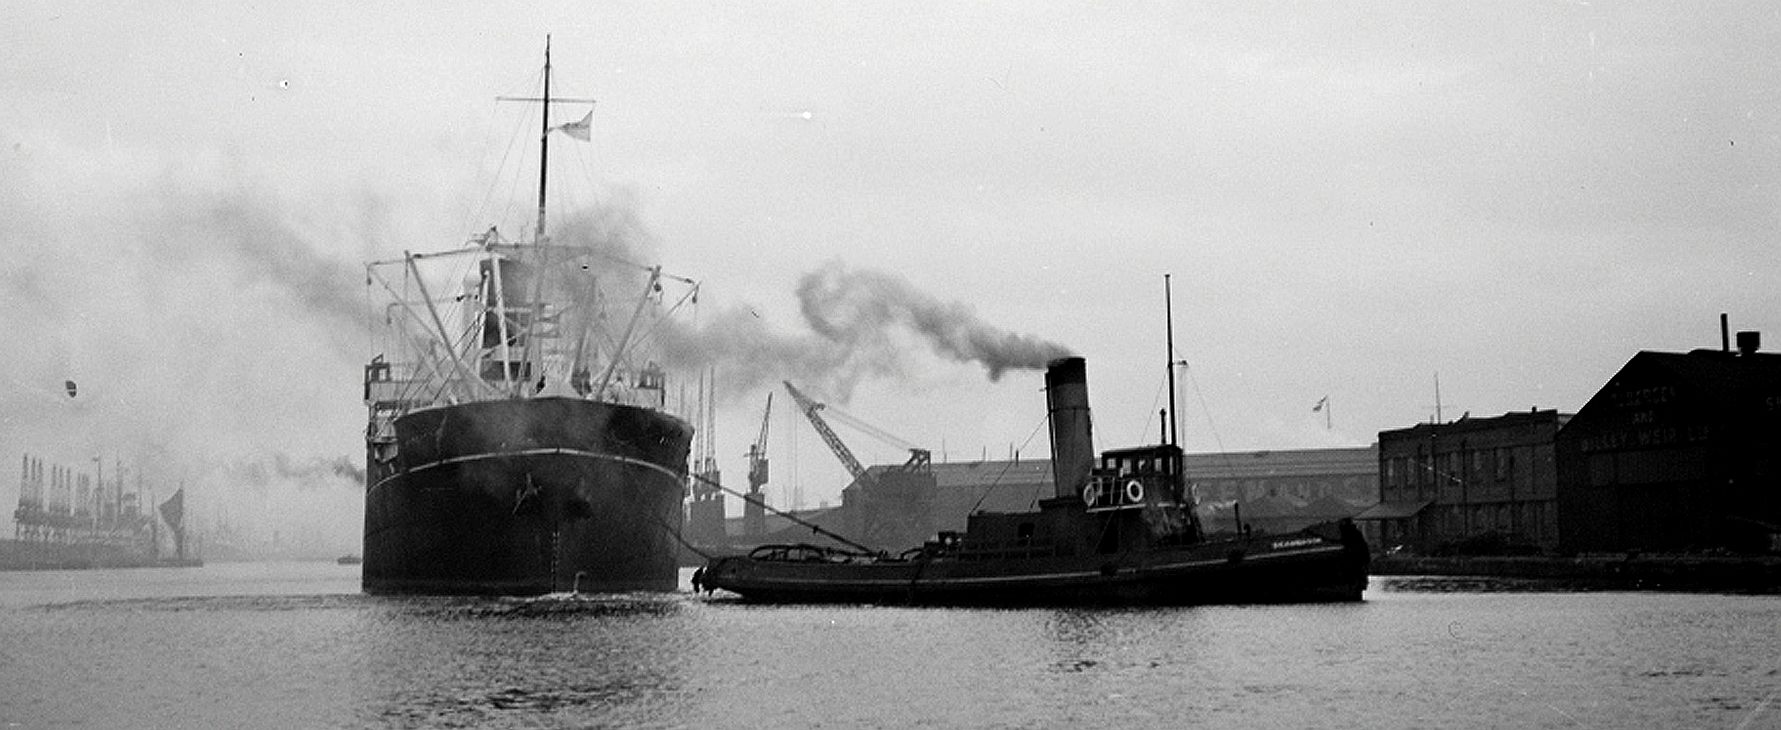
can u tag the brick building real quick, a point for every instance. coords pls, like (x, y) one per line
(1471, 485)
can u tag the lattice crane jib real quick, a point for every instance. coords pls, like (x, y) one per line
(810, 410)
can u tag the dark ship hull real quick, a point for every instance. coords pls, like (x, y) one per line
(527, 496)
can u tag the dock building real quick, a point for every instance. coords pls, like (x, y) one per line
(1282, 490)
(1471, 485)
(1679, 452)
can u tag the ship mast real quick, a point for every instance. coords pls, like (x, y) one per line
(544, 142)
(1169, 323)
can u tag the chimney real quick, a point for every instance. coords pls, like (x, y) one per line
(1072, 443)
(1725, 333)
(1749, 342)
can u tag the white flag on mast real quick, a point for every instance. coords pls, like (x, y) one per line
(582, 130)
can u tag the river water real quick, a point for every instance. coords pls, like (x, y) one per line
(297, 645)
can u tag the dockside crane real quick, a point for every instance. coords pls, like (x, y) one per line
(919, 459)
(754, 509)
(809, 408)
(895, 511)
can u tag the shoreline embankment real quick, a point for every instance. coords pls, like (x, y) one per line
(1630, 571)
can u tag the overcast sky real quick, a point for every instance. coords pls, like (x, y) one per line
(1351, 198)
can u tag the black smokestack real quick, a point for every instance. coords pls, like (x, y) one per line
(1072, 440)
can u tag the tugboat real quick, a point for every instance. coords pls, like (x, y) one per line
(1119, 530)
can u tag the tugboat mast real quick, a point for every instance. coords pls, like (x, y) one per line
(1169, 323)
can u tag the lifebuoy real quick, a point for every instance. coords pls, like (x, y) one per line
(1088, 495)
(1134, 492)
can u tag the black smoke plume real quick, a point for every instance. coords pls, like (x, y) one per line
(861, 325)
(848, 307)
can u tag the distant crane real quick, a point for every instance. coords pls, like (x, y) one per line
(705, 509)
(809, 408)
(919, 459)
(754, 509)
(892, 510)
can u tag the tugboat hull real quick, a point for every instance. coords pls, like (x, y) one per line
(1327, 563)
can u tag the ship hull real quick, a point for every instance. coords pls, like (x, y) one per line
(1298, 568)
(41, 555)
(527, 496)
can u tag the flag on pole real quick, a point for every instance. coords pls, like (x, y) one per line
(1321, 402)
(582, 130)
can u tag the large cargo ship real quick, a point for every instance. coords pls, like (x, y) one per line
(518, 441)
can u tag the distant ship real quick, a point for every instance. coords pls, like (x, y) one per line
(67, 520)
(517, 439)
(1120, 530)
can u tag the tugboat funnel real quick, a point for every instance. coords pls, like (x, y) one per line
(1072, 443)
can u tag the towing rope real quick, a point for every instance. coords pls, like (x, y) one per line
(782, 513)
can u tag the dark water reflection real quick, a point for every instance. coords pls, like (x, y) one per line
(297, 646)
